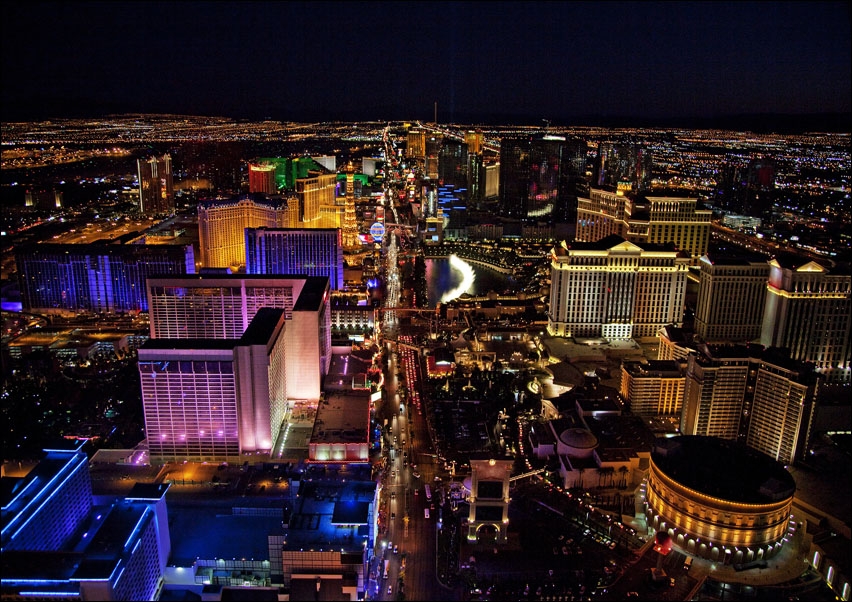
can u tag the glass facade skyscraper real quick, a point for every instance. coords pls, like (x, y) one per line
(156, 186)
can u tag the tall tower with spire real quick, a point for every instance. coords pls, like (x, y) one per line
(350, 223)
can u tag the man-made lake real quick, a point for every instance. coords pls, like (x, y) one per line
(447, 279)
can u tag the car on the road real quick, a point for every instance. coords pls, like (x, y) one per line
(396, 549)
(415, 474)
(393, 495)
(390, 590)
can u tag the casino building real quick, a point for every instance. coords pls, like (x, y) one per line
(717, 499)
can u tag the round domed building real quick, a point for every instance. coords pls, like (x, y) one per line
(718, 499)
(577, 442)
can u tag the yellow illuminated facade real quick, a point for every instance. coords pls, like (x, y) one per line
(716, 527)
(315, 193)
(222, 224)
(615, 289)
(808, 312)
(731, 296)
(416, 143)
(656, 220)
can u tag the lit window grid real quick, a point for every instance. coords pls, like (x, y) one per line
(190, 415)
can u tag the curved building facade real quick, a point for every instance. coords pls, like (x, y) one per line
(717, 499)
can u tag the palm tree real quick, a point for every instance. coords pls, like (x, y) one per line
(622, 470)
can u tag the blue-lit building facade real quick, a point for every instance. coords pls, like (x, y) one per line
(312, 252)
(61, 543)
(98, 278)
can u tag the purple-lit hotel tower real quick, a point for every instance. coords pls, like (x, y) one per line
(215, 399)
(156, 186)
(60, 543)
(230, 358)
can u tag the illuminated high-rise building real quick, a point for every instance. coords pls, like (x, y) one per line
(416, 144)
(514, 175)
(350, 238)
(216, 399)
(492, 181)
(310, 251)
(329, 162)
(290, 169)
(222, 224)
(156, 186)
(545, 178)
(475, 180)
(69, 278)
(541, 176)
(616, 289)
(262, 178)
(315, 192)
(653, 388)
(223, 306)
(452, 163)
(474, 140)
(623, 163)
(433, 149)
(681, 221)
(808, 312)
(46, 200)
(731, 296)
(751, 395)
(59, 542)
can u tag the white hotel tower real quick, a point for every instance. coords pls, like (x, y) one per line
(616, 289)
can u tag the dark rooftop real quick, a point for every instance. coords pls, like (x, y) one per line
(723, 469)
(313, 293)
(263, 326)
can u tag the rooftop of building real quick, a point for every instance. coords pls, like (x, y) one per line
(612, 241)
(263, 326)
(653, 368)
(342, 417)
(190, 344)
(332, 512)
(723, 469)
(275, 201)
(620, 437)
(737, 258)
(313, 294)
(344, 414)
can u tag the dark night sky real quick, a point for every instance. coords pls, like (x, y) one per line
(481, 61)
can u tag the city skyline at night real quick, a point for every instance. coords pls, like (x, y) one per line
(426, 301)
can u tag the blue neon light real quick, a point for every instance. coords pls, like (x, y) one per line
(137, 528)
(22, 492)
(56, 490)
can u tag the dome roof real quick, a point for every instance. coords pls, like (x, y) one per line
(578, 438)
